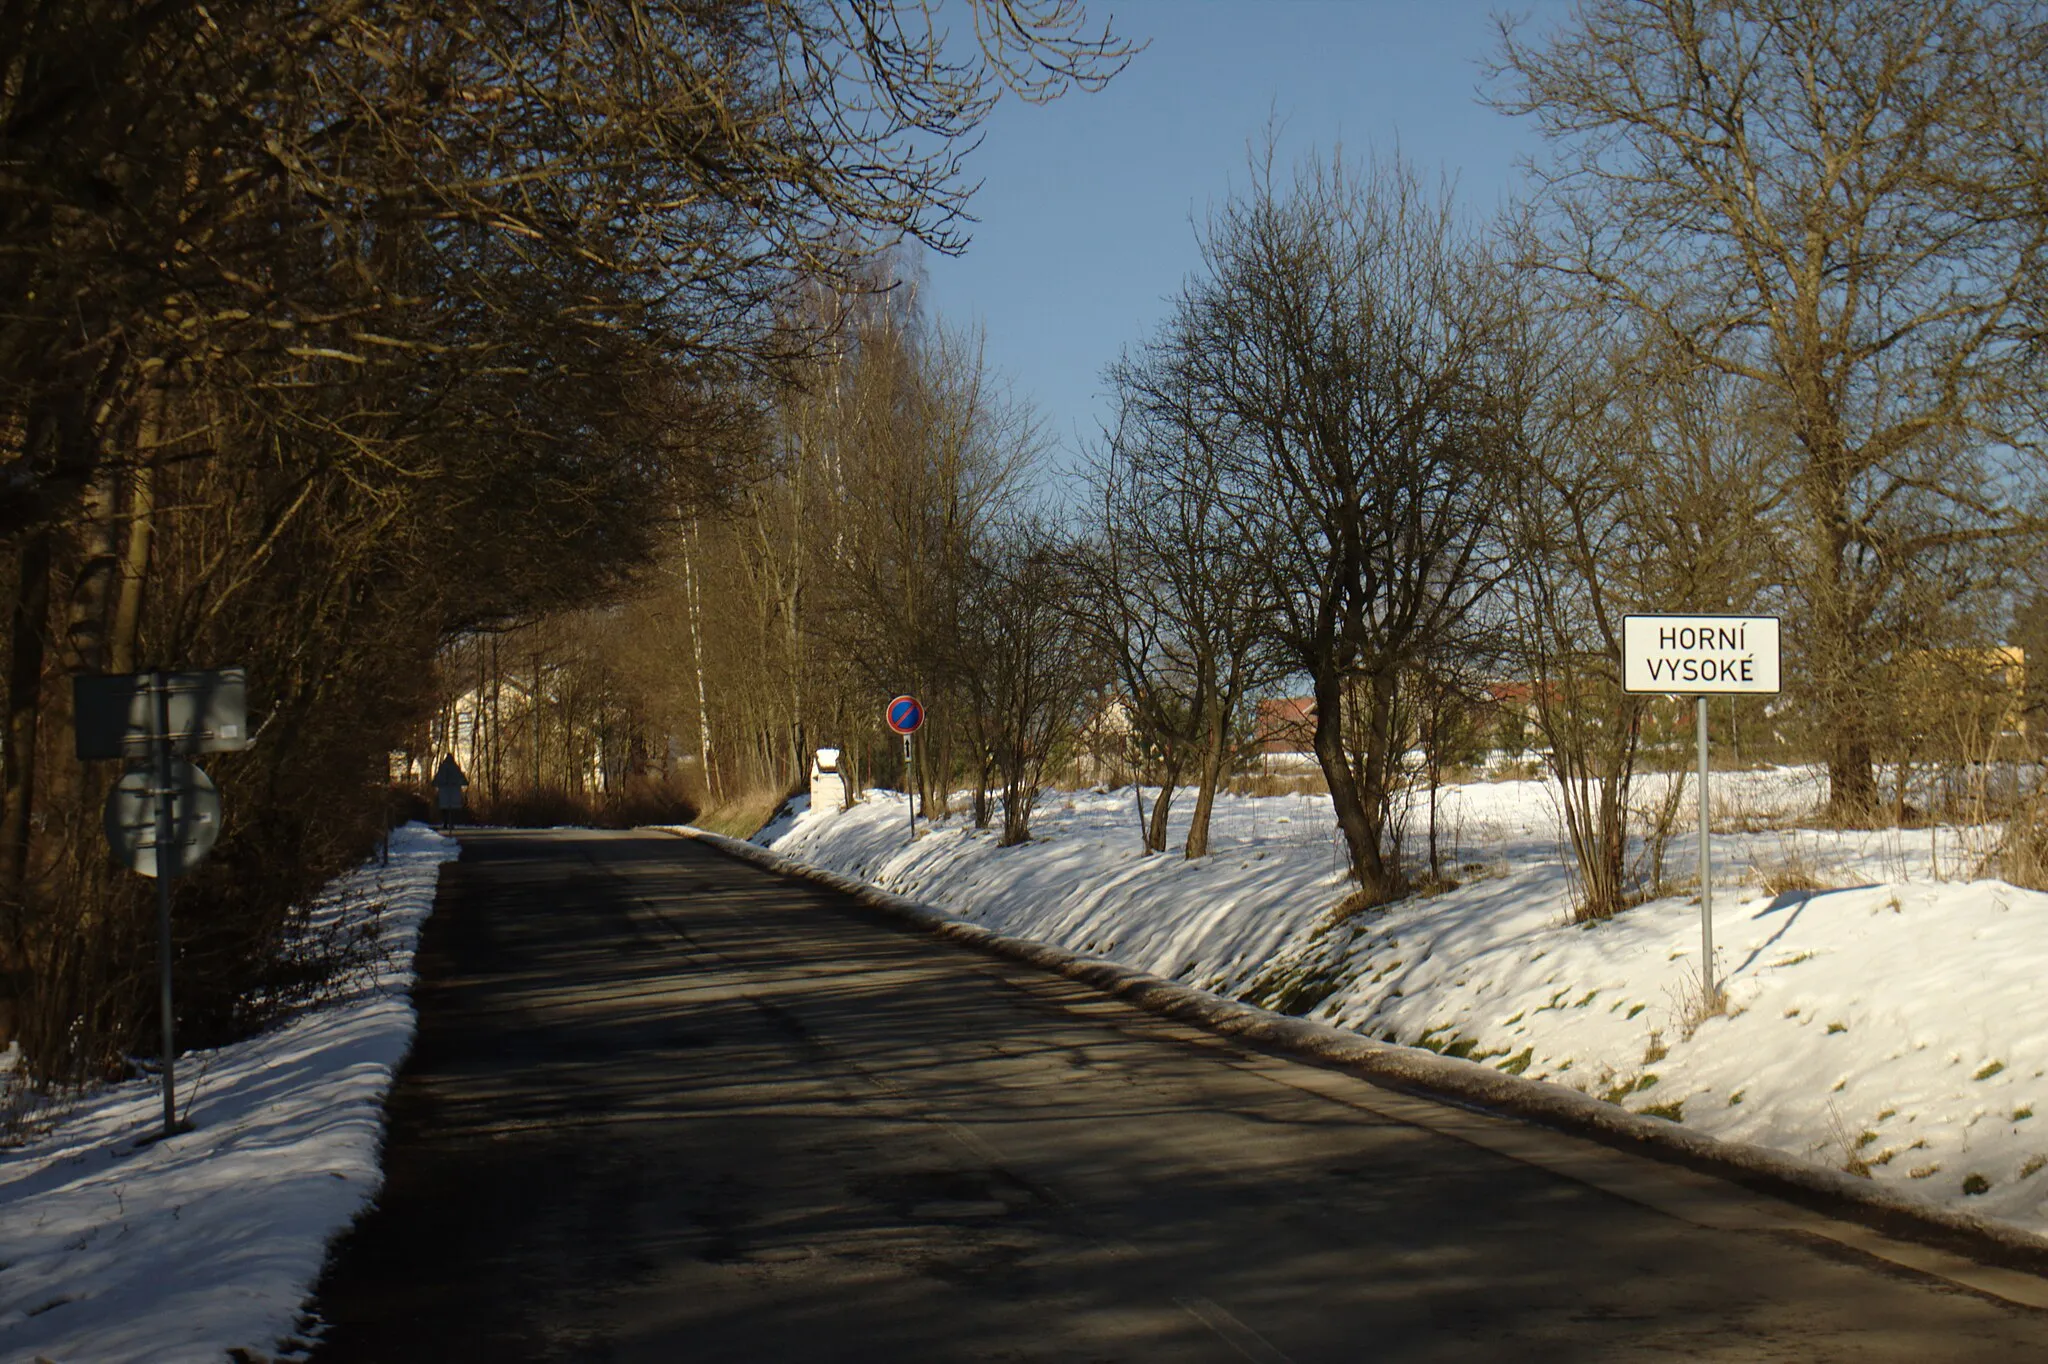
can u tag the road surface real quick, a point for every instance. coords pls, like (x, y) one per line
(666, 1106)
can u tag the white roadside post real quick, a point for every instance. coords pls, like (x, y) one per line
(1701, 656)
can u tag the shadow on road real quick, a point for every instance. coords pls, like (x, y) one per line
(666, 1106)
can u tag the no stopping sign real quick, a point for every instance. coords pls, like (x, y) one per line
(904, 715)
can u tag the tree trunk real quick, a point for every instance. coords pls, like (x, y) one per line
(984, 775)
(497, 749)
(82, 648)
(1435, 783)
(1852, 779)
(930, 779)
(1215, 748)
(941, 795)
(1019, 794)
(18, 770)
(124, 637)
(536, 723)
(92, 585)
(1162, 807)
(1378, 882)
(696, 610)
(1839, 618)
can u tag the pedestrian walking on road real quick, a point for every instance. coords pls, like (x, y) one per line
(448, 783)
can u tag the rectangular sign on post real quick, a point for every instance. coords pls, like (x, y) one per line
(1700, 655)
(161, 818)
(209, 712)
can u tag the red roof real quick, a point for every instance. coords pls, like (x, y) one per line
(1286, 724)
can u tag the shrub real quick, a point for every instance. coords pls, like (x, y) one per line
(645, 800)
(2021, 855)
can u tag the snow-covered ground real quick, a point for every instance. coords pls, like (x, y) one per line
(1889, 1022)
(210, 1242)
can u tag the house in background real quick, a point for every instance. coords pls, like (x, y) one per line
(1104, 742)
(1285, 726)
(1283, 734)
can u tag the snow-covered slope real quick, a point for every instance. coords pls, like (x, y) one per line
(210, 1242)
(1888, 1024)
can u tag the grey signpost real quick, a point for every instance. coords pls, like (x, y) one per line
(904, 714)
(163, 815)
(1701, 656)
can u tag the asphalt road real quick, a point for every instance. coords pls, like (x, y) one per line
(666, 1106)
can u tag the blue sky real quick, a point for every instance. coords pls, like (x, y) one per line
(1086, 203)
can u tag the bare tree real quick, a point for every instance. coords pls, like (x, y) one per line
(1835, 202)
(1346, 336)
(1642, 487)
(1030, 675)
(1450, 710)
(1176, 589)
(936, 454)
(334, 334)
(835, 574)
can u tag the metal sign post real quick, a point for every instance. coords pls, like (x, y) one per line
(163, 815)
(1706, 870)
(164, 872)
(904, 714)
(1701, 656)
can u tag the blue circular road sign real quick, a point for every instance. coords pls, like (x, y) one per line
(905, 714)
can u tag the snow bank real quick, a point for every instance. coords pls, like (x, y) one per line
(1882, 1022)
(211, 1241)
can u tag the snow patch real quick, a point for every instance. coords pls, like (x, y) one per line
(1885, 1022)
(211, 1241)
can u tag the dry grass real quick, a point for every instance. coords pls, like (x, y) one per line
(1690, 1006)
(1359, 901)
(1740, 812)
(1794, 871)
(742, 814)
(27, 1110)
(1849, 1148)
(1493, 869)
(1433, 883)
(1309, 783)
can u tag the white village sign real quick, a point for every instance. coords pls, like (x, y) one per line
(1701, 656)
